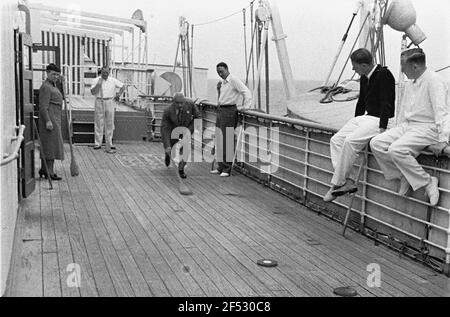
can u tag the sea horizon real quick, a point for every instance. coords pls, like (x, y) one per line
(277, 95)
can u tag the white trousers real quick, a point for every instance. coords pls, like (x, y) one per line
(104, 120)
(397, 149)
(348, 142)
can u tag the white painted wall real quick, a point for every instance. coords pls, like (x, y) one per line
(8, 174)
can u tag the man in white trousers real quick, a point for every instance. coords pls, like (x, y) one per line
(104, 89)
(376, 105)
(421, 124)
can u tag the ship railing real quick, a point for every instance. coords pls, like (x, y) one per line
(296, 162)
(8, 158)
(137, 81)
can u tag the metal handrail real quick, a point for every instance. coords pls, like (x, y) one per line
(19, 139)
(290, 171)
(308, 127)
(280, 119)
(138, 86)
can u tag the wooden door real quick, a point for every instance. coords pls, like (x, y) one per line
(25, 110)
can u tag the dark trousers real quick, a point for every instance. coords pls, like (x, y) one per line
(227, 117)
(182, 163)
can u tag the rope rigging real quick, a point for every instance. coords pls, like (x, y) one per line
(186, 44)
(225, 17)
(375, 36)
(442, 69)
(330, 92)
(255, 28)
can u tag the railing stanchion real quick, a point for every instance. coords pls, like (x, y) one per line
(305, 181)
(350, 206)
(269, 175)
(364, 195)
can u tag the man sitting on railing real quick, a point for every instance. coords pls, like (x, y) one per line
(421, 123)
(376, 105)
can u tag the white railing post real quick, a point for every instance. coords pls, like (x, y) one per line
(364, 193)
(305, 181)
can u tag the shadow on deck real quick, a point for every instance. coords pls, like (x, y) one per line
(124, 227)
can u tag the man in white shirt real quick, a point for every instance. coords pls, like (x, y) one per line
(231, 91)
(104, 89)
(421, 123)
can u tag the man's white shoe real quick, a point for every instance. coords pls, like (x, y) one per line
(432, 191)
(404, 187)
(224, 175)
(329, 197)
(215, 172)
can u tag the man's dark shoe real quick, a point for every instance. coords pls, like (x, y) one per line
(348, 188)
(97, 147)
(55, 177)
(167, 160)
(182, 174)
(113, 147)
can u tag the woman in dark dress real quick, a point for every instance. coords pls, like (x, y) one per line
(50, 107)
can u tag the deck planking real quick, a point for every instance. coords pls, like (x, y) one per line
(318, 239)
(133, 234)
(169, 237)
(360, 252)
(177, 290)
(176, 204)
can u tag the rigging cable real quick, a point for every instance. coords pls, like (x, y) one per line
(251, 59)
(192, 60)
(330, 92)
(189, 70)
(341, 46)
(176, 54)
(252, 20)
(225, 17)
(245, 38)
(442, 69)
(348, 58)
(245, 35)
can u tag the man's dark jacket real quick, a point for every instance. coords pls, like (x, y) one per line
(174, 117)
(377, 97)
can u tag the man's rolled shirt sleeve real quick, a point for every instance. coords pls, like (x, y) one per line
(244, 91)
(118, 83)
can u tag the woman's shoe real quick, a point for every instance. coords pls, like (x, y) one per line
(42, 174)
(55, 177)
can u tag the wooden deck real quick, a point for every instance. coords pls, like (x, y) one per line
(125, 224)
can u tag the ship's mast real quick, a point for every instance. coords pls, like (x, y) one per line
(268, 13)
(279, 37)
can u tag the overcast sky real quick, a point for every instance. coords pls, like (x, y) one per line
(314, 29)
